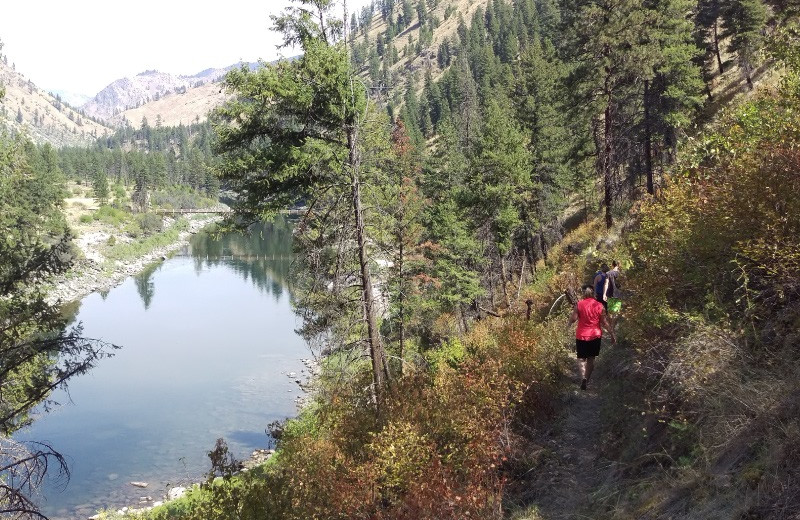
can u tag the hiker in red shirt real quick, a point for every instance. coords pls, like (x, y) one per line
(591, 318)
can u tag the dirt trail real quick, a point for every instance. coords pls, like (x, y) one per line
(564, 483)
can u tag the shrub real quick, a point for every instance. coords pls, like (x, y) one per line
(111, 215)
(180, 197)
(150, 223)
(119, 193)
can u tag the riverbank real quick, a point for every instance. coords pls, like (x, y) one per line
(94, 272)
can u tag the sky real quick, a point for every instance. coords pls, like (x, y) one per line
(80, 46)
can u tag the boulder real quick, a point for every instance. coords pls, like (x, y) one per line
(176, 493)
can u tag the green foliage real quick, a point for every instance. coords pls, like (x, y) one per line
(727, 225)
(744, 21)
(150, 223)
(111, 215)
(303, 158)
(100, 187)
(142, 246)
(452, 353)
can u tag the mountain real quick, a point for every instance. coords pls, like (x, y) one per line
(123, 98)
(74, 99)
(186, 107)
(44, 117)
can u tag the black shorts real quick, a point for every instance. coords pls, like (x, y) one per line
(605, 303)
(587, 349)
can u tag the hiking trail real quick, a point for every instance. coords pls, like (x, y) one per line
(574, 467)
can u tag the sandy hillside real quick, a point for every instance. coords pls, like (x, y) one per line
(44, 118)
(174, 109)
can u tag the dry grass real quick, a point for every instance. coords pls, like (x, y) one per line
(174, 109)
(40, 118)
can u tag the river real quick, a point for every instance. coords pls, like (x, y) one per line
(207, 341)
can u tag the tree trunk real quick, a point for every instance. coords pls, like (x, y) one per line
(401, 301)
(716, 49)
(491, 287)
(543, 244)
(504, 281)
(607, 178)
(747, 69)
(648, 140)
(380, 373)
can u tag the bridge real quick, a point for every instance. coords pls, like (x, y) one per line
(216, 211)
(211, 211)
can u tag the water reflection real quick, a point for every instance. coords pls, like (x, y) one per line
(209, 339)
(144, 284)
(263, 255)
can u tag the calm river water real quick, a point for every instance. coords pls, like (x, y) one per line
(207, 342)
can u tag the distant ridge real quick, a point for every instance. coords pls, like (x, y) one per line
(44, 117)
(129, 93)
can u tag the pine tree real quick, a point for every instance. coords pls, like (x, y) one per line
(615, 52)
(422, 12)
(400, 212)
(100, 187)
(707, 19)
(500, 177)
(674, 92)
(744, 21)
(539, 103)
(309, 144)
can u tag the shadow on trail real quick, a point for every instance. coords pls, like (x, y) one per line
(572, 467)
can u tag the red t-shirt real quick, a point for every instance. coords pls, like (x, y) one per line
(589, 313)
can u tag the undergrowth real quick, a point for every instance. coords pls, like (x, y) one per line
(707, 424)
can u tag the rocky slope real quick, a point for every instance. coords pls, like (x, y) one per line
(131, 98)
(43, 117)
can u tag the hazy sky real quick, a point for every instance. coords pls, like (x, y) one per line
(83, 45)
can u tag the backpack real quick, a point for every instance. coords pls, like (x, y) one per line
(598, 287)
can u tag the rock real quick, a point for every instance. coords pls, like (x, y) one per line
(139, 484)
(158, 503)
(176, 493)
(292, 374)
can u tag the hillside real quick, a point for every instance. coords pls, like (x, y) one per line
(46, 119)
(187, 97)
(411, 63)
(185, 107)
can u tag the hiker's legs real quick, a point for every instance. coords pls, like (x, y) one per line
(588, 368)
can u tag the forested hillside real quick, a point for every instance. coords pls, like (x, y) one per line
(43, 117)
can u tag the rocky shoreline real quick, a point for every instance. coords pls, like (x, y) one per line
(87, 275)
(147, 503)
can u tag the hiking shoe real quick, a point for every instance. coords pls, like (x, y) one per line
(583, 384)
